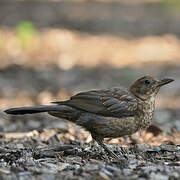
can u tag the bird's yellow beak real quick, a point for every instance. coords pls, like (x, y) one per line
(164, 82)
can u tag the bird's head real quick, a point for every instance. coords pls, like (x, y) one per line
(147, 86)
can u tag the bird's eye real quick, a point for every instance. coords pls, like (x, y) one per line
(147, 82)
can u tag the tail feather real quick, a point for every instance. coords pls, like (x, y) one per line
(61, 111)
(32, 110)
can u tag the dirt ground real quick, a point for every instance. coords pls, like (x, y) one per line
(44, 147)
(57, 62)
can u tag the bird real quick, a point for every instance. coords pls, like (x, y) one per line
(107, 113)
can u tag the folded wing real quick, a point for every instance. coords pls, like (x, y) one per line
(109, 102)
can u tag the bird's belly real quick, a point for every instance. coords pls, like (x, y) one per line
(109, 126)
(118, 127)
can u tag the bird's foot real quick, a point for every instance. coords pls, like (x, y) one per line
(114, 155)
(111, 153)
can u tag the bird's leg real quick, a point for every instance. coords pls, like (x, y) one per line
(102, 144)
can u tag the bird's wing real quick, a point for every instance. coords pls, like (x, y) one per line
(113, 102)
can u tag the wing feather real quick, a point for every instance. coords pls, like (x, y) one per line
(109, 102)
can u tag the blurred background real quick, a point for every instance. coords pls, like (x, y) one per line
(51, 49)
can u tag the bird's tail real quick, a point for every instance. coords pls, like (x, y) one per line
(61, 111)
(31, 110)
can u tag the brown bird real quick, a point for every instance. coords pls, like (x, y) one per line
(107, 113)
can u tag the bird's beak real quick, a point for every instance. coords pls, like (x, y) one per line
(164, 82)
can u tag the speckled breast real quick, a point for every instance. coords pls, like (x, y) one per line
(146, 112)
